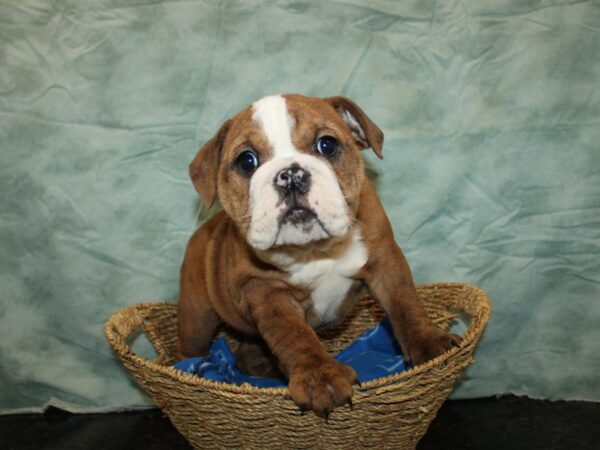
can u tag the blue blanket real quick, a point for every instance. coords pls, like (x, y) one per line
(372, 355)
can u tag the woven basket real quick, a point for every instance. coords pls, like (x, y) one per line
(390, 412)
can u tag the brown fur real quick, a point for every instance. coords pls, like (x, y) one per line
(224, 279)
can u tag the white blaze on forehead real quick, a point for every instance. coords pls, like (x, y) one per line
(272, 114)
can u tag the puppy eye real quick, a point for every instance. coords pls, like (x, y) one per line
(327, 146)
(247, 161)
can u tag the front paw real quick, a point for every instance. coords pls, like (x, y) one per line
(429, 343)
(322, 386)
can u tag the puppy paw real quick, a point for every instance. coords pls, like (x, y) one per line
(322, 387)
(430, 343)
(253, 358)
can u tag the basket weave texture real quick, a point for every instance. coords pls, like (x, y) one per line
(391, 412)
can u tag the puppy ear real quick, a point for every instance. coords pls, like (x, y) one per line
(365, 132)
(205, 166)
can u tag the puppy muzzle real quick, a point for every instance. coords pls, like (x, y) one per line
(293, 183)
(295, 201)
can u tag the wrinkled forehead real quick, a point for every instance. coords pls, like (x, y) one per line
(274, 122)
(312, 109)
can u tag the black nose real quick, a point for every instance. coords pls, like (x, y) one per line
(292, 179)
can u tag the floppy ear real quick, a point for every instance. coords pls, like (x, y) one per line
(205, 166)
(365, 132)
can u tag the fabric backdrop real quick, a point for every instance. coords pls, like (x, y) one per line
(491, 173)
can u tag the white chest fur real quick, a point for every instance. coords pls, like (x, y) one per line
(328, 278)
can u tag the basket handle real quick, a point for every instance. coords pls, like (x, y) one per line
(120, 326)
(471, 301)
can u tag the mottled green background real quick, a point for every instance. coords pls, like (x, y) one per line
(491, 173)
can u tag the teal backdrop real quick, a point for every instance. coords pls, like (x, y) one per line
(491, 176)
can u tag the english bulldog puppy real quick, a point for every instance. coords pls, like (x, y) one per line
(302, 235)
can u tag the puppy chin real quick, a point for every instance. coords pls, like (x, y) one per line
(298, 234)
(290, 234)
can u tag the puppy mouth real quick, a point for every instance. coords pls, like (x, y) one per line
(305, 221)
(298, 215)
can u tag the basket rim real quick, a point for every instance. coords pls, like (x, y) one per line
(131, 314)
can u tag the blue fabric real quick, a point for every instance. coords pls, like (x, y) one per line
(374, 354)
(219, 365)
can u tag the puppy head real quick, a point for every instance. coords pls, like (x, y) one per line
(288, 169)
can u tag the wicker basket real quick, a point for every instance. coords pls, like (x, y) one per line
(391, 412)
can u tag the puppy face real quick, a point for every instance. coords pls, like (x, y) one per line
(288, 168)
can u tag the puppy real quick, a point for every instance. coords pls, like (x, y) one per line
(301, 237)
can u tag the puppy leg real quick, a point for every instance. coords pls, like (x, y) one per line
(197, 323)
(254, 358)
(391, 284)
(316, 381)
